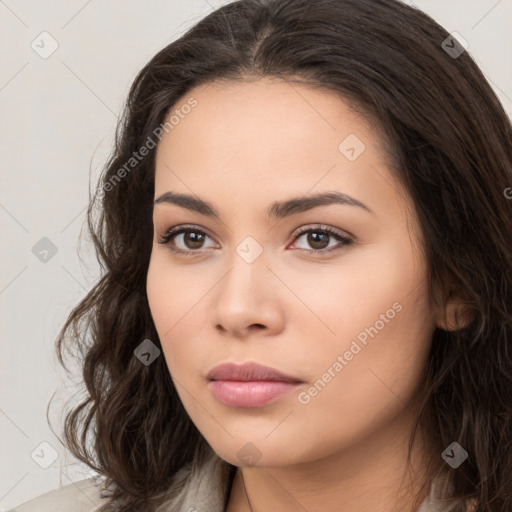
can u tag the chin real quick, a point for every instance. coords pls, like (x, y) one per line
(261, 452)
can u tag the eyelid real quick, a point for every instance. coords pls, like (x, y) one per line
(322, 227)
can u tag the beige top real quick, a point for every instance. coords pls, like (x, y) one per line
(205, 489)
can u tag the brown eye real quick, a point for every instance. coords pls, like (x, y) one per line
(193, 239)
(318, 239)
(188, 239)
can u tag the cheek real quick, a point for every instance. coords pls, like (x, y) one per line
(383, 328)
(176, 300)
(160, 298)
(364, 291)
(163, 289)
(172, 292)
(377, 299)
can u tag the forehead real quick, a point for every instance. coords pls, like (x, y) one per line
(270, 139)
(259, 110)
(267, 124)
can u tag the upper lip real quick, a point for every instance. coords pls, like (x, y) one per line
(248, 372)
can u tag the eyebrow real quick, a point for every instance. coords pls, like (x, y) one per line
(277, 210)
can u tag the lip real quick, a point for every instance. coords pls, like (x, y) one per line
(248, 372)
(249, 384)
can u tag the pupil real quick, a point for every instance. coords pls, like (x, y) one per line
(194, 238)
(315, 238)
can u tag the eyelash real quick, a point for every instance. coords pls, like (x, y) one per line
(171, 233)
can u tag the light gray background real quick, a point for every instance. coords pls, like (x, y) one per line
(58, 119)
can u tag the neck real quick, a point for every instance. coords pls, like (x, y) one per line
(369, 475)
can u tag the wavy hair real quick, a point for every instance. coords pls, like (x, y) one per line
(449, 141)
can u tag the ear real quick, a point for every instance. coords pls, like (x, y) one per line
(453, 312)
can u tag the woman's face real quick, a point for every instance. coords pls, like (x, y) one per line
(348, 318)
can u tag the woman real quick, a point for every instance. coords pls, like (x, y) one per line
(306, 236)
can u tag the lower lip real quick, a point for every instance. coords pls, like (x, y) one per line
(249, 393)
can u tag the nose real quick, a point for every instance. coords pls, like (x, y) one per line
(247, 299)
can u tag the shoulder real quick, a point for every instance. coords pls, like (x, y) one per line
(197, 486)
(82, 496)
(203, 486)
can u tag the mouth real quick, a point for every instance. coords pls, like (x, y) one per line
(249, 385)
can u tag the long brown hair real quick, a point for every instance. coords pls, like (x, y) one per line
(450, 143)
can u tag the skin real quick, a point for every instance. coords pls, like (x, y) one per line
(244, 146)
